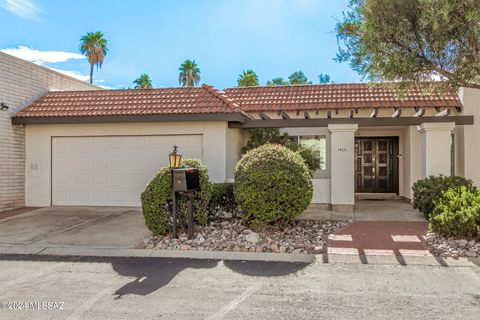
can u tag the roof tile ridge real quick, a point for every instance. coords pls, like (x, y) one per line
(224, 98)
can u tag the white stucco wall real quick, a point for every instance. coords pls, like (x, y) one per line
(236, 140)
(38, 148)
(471, 134)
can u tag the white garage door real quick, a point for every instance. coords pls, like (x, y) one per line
(112, 171)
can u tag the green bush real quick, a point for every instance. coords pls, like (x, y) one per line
(222, 201)
(427, 191)
(157, 202)
(457, 213)
(272, 184)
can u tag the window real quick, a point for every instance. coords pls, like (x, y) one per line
(319, 144)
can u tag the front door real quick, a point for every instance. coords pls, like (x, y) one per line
(376, 165)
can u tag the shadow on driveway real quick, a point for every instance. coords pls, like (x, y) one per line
(153, 273)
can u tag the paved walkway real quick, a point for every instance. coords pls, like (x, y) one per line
(367, 210)
(367, 238)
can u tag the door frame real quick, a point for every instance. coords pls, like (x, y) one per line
(396, 163)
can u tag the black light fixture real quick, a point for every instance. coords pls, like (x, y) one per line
(3, 107)
(174, 158)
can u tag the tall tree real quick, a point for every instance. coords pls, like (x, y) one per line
(298, 77)
(277, 82)
(189, 74)
(324, 78)
(94, 46)
(143, 82)
(247, 79)
(412, 40)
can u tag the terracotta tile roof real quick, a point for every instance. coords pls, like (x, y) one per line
(208, 100)
(334, 96)
(191, 100)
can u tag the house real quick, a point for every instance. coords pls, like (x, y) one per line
(22, 82)
(101, 147)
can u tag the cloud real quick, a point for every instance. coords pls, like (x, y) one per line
(41, 57)
(26, 9)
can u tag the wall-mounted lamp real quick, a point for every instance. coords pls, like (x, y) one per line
(3, 107)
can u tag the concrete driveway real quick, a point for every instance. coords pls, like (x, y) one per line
(76, 226)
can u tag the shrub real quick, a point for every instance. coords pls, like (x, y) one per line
(272, 183)
(157, 202)
(429, 190)
(457, 213)
(222, 202)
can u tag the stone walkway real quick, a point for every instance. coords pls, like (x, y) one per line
(364, 238)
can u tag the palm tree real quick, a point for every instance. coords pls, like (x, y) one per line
(143, 82)
(94, 46)
(247, 79)
(189, 74)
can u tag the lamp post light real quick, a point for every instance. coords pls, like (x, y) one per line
(174, 158)
(185, 181)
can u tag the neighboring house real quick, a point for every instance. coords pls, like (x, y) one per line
(22, 82)
(102, 147)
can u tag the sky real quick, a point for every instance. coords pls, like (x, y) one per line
(272, 37)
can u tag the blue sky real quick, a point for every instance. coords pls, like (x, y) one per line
(272, 37)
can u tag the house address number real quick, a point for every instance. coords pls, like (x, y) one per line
(342, 149)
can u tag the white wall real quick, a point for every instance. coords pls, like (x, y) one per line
(471, 134)
(38, 148)
(236, 140)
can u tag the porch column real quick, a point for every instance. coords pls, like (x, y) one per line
(342, 166)
(436, 148)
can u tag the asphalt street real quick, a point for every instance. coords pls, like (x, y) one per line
(55, 287)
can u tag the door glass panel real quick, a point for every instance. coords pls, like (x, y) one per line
(367, 158)
(382, 158)
(382, 145)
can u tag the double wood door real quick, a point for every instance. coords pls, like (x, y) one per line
(376, 165)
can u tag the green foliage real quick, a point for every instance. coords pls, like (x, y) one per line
(324, 78)
(310, 155)
(94, 46)
(457, 213)
(222, 200)
(272, 184)
(261, 136)
(189, 75)
(277, 82)
(157, 203)
(298, 77)
(247, 79)
(412, 40)
(427, 191)
(143, 82)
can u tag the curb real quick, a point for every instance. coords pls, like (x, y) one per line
(147, 253)
(330, 258)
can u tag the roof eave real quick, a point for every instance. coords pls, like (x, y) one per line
(229, 117)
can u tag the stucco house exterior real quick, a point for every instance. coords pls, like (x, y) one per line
(100, 147)
(22, 82)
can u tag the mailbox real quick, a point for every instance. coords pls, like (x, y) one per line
(186, 179)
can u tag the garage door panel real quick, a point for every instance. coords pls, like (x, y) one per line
(112, 170)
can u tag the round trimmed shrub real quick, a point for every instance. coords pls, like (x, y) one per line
(427, 191)
(272, 184)
(457, 213)
(157, 200)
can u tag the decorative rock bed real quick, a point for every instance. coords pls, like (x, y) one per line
(308, 237)
(443, 247)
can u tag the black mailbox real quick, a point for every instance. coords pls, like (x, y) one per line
(186, 179)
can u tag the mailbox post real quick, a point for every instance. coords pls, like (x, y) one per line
(185, 181)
